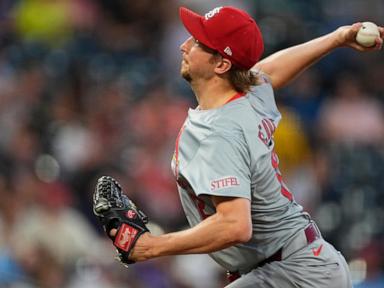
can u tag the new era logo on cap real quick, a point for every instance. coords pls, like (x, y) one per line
(228, 51)
(228, 30)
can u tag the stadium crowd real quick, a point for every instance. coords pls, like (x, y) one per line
(89, 88)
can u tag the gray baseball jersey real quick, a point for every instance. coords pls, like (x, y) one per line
(228, 151)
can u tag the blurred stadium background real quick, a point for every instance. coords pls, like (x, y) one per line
(91, 87)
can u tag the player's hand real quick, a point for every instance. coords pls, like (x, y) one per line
(346, 36)
(113, 232)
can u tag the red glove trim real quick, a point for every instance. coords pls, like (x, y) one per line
(125, 237)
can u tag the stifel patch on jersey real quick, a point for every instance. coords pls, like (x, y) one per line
(225, 182)
(125, 237)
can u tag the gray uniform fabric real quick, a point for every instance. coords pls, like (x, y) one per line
(301, 269)
(228, 151)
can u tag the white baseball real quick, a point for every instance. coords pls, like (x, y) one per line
(367, 34)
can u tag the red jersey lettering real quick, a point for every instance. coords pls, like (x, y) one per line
(284, 189)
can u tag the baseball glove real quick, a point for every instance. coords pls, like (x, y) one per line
(116, 211)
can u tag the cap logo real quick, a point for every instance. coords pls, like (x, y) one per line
(212, 13)
(228, 51)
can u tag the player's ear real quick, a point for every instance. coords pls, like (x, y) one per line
(223, 65)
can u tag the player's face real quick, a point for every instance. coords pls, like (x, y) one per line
(198, 61)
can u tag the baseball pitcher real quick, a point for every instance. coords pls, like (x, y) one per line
(240, 211)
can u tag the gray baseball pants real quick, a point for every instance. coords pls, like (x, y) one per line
(317, 265)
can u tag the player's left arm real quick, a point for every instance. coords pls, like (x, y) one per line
(284, 65)
(230, 225)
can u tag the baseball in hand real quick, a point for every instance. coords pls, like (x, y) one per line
(367, 34)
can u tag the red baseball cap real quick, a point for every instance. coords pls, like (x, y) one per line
(228, 30)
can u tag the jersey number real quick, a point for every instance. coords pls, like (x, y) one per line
(284, 189)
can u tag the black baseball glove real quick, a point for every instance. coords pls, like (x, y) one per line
(116, 210)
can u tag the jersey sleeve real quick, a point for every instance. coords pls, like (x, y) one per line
(262, 99)
(221, 168)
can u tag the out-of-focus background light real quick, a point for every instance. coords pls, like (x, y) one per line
(89, 88)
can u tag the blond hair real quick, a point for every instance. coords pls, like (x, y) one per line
(242, 80)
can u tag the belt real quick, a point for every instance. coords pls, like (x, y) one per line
(311, 234)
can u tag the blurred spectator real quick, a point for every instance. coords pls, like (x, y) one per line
(304, 97)
(45, 21)
(352, 102)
